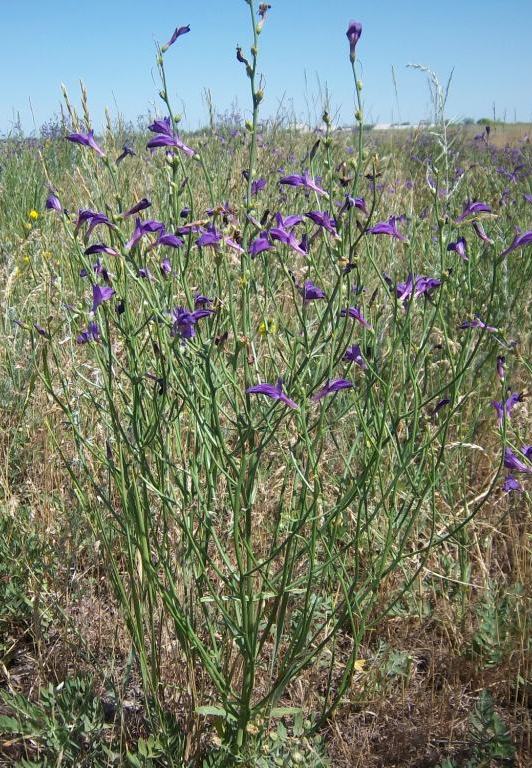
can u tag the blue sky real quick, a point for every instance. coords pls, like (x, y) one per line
(110, 45)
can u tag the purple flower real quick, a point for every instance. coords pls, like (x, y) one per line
(185, 320)
(405, 290)
(304, 243)
(387, 228)
(101, 293)
(210, 237)
(477, 323)
(201, 301)
(353, 33)
(310, 292)
(263, 9)
(231, 243)
(84, 215)
(274, 391)
(354, 202)
(501, 360)
(257, 186)
(280, 234)
(528, 198)
(519, 242)
(289, 222)
(126, 151)
(504, 409)
(512, 176)
(177, 33)
(259, 245)
(137, 208)
(511, 484)
(331, 387)
(166, 267)
(356, 314)
(168, 239)
(440, 404)
(460, 247)
(143, 228)
(166, 140)
(305, 181)
(322, 219)
(91, 334)
(416, 286)
(354, 355)
(53, 203)
(512, 462)
(426, 285)
(41, 331)
(151, 225)
(515, 397)
(87, 140)
(94, 219)
(481, 233)
(473, 208)
(100, 248)
(161, 125)
(145, 273)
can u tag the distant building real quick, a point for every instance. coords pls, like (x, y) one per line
(402, 126)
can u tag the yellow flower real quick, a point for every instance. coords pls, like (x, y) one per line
(47, 254)
(33, 214)
(267, 326)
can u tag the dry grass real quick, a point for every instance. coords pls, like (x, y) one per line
(410, 715)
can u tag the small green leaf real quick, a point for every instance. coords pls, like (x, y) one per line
(285, 711)
(9, 724)
(133, 760)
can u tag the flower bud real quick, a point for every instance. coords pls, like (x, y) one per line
(240, 56)
(353, 35)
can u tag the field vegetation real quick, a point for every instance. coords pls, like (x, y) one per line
(265, 440)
